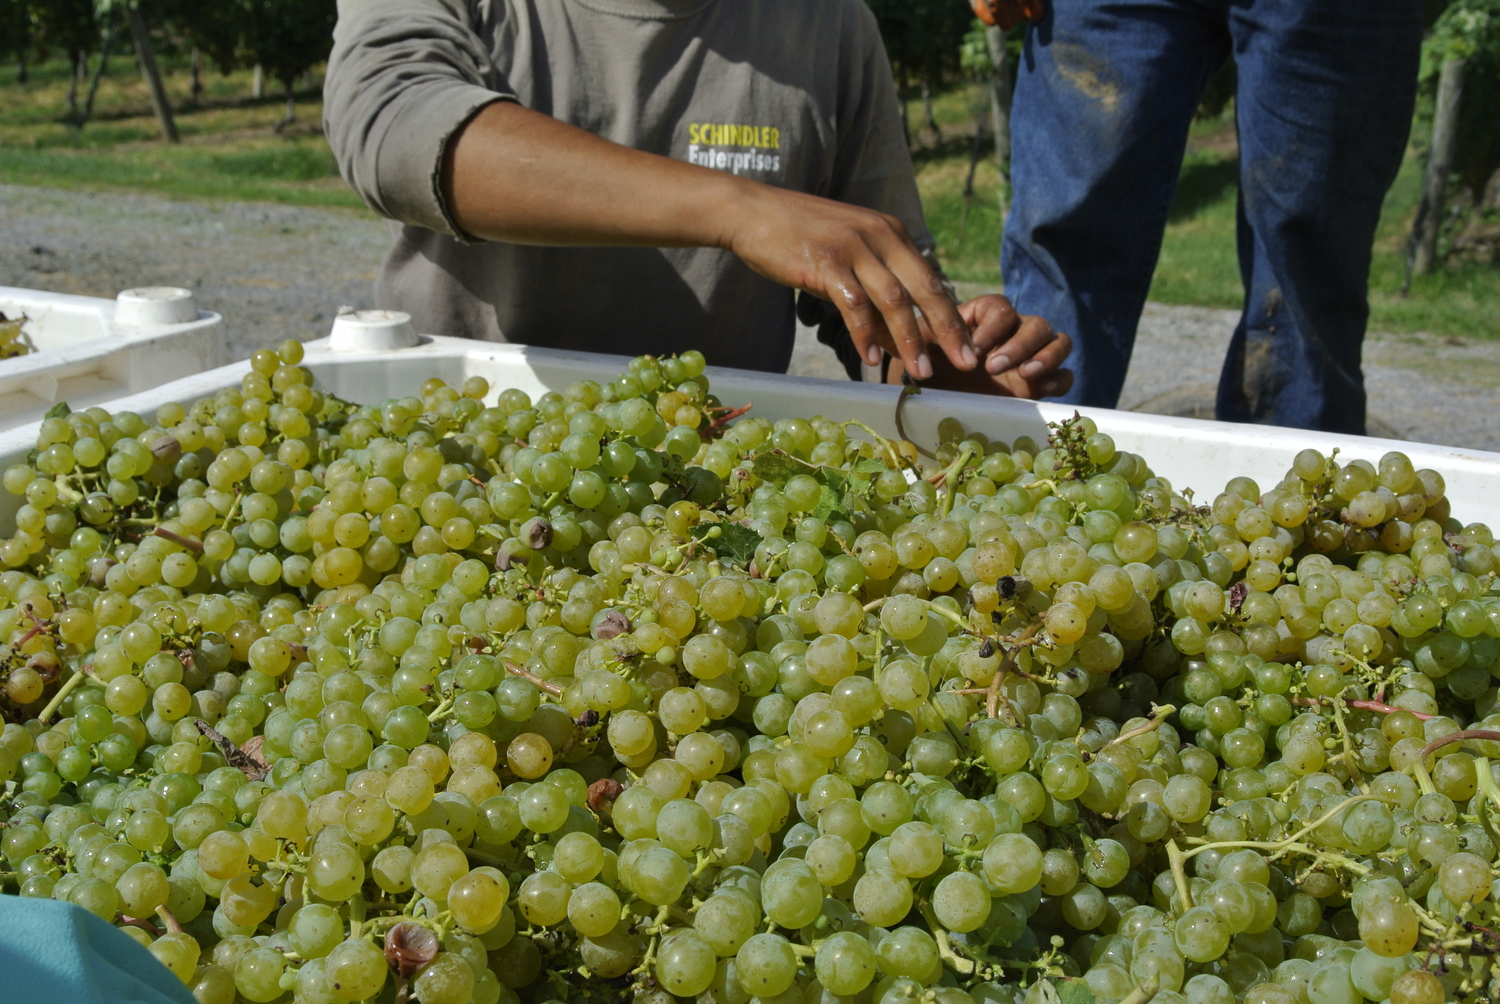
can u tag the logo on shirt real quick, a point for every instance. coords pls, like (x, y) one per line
(734, 148)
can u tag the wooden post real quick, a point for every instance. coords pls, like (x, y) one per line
(994, 37)
(258, 82)
(1439, 164)
(149, 70)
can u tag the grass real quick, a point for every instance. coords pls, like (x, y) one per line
(1198, 263)
(229, 151)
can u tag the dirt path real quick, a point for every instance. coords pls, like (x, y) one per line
(278, 271)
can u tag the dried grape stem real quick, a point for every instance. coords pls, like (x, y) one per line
(1362, 705)
(1457, 737)
(532, 678)
(143, 924)
(713, 428)
(196, 546)
(907, 391)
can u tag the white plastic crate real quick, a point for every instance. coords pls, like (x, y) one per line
(364, 361)
(89, 350)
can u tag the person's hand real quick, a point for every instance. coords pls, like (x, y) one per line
(1006, 13)
(520, 176)
(865, 263)
(1023, 356)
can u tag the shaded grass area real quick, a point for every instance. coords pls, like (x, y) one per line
(228, 151)
(1198, 263)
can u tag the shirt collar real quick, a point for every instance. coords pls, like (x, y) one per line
(648, 10)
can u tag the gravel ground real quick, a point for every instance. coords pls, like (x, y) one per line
(277, 271)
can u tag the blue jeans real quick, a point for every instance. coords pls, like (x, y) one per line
(1105, 94)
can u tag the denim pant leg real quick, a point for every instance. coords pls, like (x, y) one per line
(1325, 96)
(1105, 94)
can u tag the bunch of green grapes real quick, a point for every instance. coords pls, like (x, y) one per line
(470, 696)
(12, 343)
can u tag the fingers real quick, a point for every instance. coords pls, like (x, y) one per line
(1051, 385)
(940, 317)
(904, 336)
(866, 327)
(991, 320)
(1033, 340)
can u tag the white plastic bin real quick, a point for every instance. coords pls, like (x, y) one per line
(89, 350)
(1193, 454)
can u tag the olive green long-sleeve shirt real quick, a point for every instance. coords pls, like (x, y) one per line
(794, 93)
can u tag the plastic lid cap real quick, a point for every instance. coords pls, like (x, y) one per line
(154, 306)
(372, 331)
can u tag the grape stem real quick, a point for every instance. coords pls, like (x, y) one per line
(234, 508)
(1143, 992)
(1486, 780)
(945, 948)
(356, 915)
(1179, 874)
(713, 428)
(1158, 715)
(1338, 719)
(169, 920)
(533, 679)
(944, 612)
(62, 692)
(880, 440)
(1424, 779)
(949, 476)
(1362, 705)
(196, 546)
(1280, 845)
(141, 922)
(1457, 737)
(910, 389)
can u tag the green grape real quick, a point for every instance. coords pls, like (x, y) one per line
(257, 975)
(594, 909)
(1200, 935)
(766, 965)
(315, 930)
(685, 964)
(543, 898)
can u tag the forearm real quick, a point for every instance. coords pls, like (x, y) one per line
(520, 176)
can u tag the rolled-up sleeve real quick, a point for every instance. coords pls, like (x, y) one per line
(404, 77)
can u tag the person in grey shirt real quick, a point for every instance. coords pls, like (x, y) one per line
(652, 176)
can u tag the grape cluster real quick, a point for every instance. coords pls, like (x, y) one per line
(470, 697)
(12, 342)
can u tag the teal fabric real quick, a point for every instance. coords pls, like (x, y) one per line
(57, 952)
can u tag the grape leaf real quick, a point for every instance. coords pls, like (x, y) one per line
(59, 410)
(1076, 992)
(776, 466)
(734, 543)
(830, 505)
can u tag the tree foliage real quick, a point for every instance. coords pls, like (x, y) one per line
(286, 37)
(63, 27)
(924, 38)
(1470, 30)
